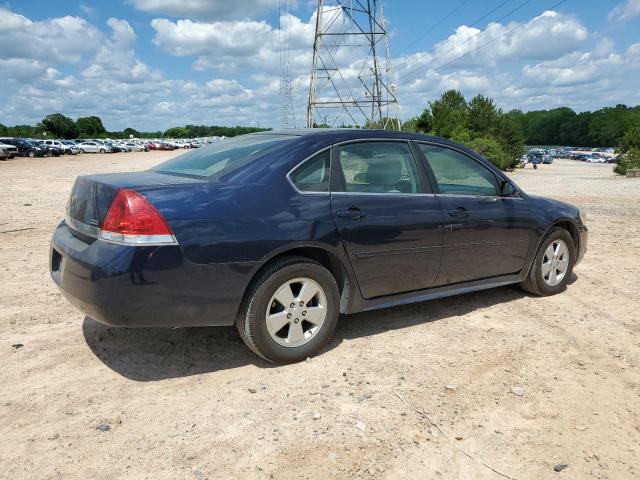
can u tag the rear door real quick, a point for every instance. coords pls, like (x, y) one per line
(486, 233)
(389, 220)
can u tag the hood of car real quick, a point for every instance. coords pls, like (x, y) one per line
(565, 209)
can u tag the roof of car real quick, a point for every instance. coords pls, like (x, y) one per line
(353, 133)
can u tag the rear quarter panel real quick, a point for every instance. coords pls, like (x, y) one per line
(240, 223)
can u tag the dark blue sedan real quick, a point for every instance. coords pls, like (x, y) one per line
(281, 232)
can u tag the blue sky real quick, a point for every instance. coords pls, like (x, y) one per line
(152, 64)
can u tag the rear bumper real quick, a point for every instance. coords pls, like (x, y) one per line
(144, 286)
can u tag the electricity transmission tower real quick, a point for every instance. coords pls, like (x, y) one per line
(288, 118)
(349, 86)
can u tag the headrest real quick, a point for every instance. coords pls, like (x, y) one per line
(384, 172)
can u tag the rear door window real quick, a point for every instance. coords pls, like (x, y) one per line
(378, 167)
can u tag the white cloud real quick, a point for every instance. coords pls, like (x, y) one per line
(625, 11)
(548, 61)
(546, 36)
(64, 39)
(21, 69)
(116, 58)
(229, 46)
(206, 9)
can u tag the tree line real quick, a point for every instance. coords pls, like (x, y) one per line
(58, 125)
(501, 136)
(563, 126)
(478, 123)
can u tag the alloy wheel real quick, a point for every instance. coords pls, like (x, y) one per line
(296, 312)
(555, 263)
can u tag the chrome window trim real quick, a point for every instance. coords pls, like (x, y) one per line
(394, 194)
(406, 141)
(494, 197)
(299, 164)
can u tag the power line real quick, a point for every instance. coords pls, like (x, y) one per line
(511, 30)
(434, 26)
(509, 13)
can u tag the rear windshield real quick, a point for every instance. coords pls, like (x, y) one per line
(217, 158)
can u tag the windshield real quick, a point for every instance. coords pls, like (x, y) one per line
(219, 157)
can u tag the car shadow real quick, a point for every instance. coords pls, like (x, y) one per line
(151, 354)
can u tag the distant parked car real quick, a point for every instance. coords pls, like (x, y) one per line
(8, 151)
(114, 147)
(72, 147)
(93, 147)
(66, 149)
(160, 146)
(133, 147)
(547, 159)
(26, 148)
(50, 150)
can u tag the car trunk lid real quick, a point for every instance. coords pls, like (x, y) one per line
(92, 196)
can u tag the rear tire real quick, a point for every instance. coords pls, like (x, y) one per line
(548, 274)
(262, 313)
(102, 150)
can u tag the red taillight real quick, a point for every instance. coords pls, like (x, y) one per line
(131, 214)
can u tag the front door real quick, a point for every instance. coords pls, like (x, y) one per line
(486, 233)
(389, 220)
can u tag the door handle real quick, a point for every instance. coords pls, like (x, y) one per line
(459, 212)
(352, 213)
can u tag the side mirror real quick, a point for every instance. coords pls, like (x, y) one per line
(507, 189)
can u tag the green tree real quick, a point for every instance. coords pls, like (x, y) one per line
(448, 113)
(492, 150)
(90, 126)
(630, 140)
(629, 151)
(387, 123)
(60, 126)
(511, 137)
(424, 122)
(176, 132)
(628, 161)
(410, 125)
(483, 115)
(130, 131)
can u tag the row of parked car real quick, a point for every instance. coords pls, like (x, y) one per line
(28, 147)
(538, 156)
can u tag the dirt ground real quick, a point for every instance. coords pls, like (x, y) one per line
(521, 384)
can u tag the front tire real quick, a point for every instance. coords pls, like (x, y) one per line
(553, 264)
(291, 311)
(31, 154)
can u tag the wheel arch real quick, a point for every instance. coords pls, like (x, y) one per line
(328, 259)
(569, 225)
